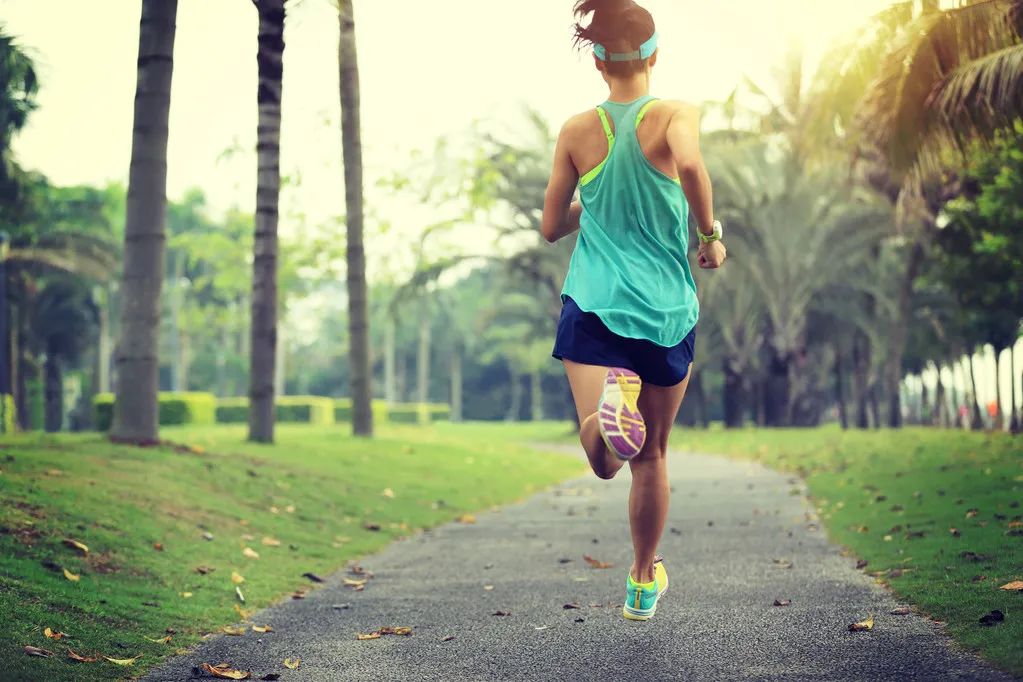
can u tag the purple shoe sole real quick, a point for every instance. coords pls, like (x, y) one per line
(623, 429)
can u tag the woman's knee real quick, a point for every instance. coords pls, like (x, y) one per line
(653, 451)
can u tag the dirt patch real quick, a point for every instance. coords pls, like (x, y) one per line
(102, 563)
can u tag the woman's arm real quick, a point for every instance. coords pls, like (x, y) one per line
(560, 213)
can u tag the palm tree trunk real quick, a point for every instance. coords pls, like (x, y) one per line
(135, 407)
(456, 384)
(733, 397)
(900, 331)
(103, 350)
(263, 332)
(390, 387)
(861, 379)
(515, 404)
(926, 415)
(351, 143)
(843, 414)
(53, 392)
(535, 395)
(978, 419)
(423, 360)
(1014, 425)
(998, 421)
(778, 390)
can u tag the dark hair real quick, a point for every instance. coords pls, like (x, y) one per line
(618, 25)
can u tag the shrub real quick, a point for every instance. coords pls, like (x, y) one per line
(302, 409)
(419, 413)
(174, 408)
(343, 411)
(232, 410)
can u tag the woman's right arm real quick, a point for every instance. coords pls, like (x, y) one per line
(684, 141)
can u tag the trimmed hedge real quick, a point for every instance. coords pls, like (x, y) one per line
(175, 408)
(343, 411)
(303, 409)
(418, 413)
(7, 419)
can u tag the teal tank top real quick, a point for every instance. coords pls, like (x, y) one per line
(629, 266)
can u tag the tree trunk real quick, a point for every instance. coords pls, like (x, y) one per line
(777, 390)
(978, 418)
(733, 397)
(456, 384)
(423, 359)
(954, 414)
(535, 395)
(997, 419)
(263, 331)
(1014, 425)
(390, 388)
(221, 362)
(700, 395)
(105, 343)
(926, 413)
(53, 393)
(351, 142)
(135, 407)
(899, 333)
(401, 379)
(515, 405)
(861, 379)
(843, 414)
(875, 406)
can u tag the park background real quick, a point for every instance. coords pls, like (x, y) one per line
(866, 163)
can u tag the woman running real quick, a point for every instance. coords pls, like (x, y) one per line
(630, 309)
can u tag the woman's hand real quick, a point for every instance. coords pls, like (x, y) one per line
(711, 255)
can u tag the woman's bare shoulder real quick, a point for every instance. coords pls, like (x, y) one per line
(677, 106)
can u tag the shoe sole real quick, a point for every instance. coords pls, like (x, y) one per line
(621, 424)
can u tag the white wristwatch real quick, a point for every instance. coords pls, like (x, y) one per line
(712, 237)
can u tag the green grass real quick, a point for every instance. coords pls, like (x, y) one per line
(314, 491)
(876, 490)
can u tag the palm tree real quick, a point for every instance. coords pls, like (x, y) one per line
(135, 408)
(351, 142)
(18, 88)
(263, 349)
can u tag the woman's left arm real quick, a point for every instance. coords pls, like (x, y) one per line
(560, 213)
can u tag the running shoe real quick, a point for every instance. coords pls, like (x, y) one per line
(641, 598)
(621, 424)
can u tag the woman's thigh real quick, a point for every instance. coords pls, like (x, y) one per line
(659, 406)
(587, 382)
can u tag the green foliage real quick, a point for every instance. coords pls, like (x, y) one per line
(8, 419)
(419, 413)
(307, 409)
(343, 411)
(232, 410)
(175, 409)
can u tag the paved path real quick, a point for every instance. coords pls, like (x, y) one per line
(729, 522)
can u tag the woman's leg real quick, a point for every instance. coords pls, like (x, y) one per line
(587, 382)
(648, 499)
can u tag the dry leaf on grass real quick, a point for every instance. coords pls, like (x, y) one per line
(158, 546)
(250, 553)
(71, 576)
(75, 544)
(243, 613)
(186, 595)
(75, 656)
(782, 602)
(863, 625)
(290, 509)
(123, 661)
(292, 663)
(466, 518)
(233, 631)
(248, 537)
(595, 563)
(225, 672)
(262, 628)
(238, 593)
(271, 542)
(388, 493)
(371, 526)
(1014, 586)
(161, 640)
(36, 651)
(54, 635)
(301, 592)
(203, 570)
(237, 578)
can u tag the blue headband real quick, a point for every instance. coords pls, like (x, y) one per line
(644, 51)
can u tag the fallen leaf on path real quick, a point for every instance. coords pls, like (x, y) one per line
(488, 588)
(250, 553)
(243, 613)
(356, 583)
(262, 628)
(782, 602)
(993, 618)
(466, 518)
(364, 636)
(71, 576)
(301, 592)
(225, 672)
(1014, 586)
(75, 544)
(595, 605)
(447, 639)
(271, 542)
(36, 651)
(123, 661)
(292, 663)
(573, 605)
(54, 635)
(233, 631)
(784, 563)
(161, 640)
(158, 546)
(595, 563)
(312, 576)
(341, 607)
(863, 625)
(861, 563)
(237, 578)
(901, 611)
(502, 613)
(580, 620)
(75, 656)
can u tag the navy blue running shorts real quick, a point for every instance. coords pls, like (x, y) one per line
(583, 338)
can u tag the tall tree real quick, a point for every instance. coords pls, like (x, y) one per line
(351, 147)
(135, 408)
(263, 349)
(18, 88)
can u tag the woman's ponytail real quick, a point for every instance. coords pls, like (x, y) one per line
(601, 25)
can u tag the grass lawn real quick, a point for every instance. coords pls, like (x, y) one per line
(310, 503)
(936, 514)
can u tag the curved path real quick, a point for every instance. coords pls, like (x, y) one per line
(729, 523)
